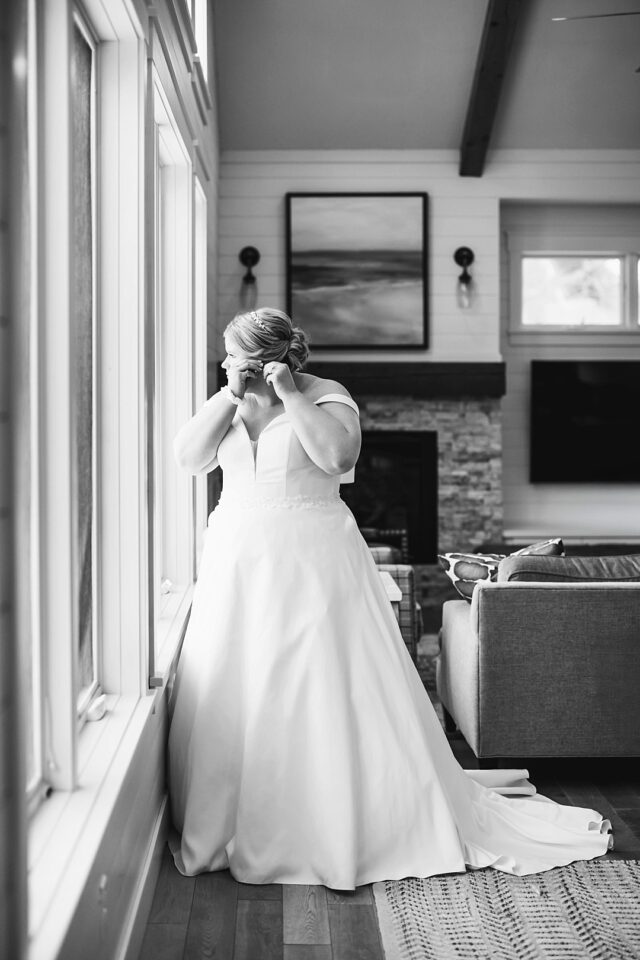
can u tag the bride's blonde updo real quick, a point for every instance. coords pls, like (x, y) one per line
(270, 333)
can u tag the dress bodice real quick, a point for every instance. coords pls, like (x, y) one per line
(276, 466)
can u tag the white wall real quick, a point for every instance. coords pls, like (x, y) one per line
(463, 211)
(589, 512)
(582, 511)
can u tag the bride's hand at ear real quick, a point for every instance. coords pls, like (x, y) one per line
(278, 375)
(239, 371)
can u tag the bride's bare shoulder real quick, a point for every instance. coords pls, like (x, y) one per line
(315, 387)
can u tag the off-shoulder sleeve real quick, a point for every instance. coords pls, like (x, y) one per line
(349, 477)
(338, 398)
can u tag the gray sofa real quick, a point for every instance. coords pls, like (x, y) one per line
(545, 662)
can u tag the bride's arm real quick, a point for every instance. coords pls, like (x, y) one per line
(330, 434)
(196, 443)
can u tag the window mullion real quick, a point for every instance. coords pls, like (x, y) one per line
(150, 361)
(121, 404)
(626, 305)
(633, 306)
(172, 490)
(199, 354)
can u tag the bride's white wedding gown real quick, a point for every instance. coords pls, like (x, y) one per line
(303, 747)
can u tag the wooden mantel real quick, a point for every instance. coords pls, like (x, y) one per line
(411, 379)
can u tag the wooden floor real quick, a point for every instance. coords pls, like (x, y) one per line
(213, 916)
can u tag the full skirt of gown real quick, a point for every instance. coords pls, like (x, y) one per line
(303, 746)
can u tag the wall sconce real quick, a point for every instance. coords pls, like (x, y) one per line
(464, 258)
(248, 257)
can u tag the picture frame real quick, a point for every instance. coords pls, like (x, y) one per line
(356, 269)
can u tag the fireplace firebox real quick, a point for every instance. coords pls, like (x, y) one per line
(396, 490)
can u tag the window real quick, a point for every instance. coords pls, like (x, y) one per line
(114, 373)
(571, 290)
(83, 346)
(173, 404)
(572, 270)
(63, 665)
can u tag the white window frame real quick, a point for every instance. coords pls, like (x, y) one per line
(173, 400)
(623, 248)
(88, 695)
(572, 230)
(65, 830)
(37, 787)
(199, 375)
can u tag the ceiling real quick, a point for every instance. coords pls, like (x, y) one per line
(397, 74)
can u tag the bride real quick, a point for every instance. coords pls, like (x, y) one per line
(303, 746)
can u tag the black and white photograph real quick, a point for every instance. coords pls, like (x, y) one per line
(319, 480)
(357, 269)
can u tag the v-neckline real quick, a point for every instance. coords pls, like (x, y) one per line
(266, 426)
(278, 417)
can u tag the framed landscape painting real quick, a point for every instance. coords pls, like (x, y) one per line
(357, 269)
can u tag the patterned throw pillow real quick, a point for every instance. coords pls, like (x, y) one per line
(466, 569)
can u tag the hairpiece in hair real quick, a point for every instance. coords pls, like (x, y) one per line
(256, 319)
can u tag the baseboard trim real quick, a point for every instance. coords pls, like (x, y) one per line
(133, 933)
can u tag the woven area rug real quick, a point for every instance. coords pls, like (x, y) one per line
(589, 909)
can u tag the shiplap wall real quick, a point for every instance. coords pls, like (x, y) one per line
(462, 212)
(252, 211)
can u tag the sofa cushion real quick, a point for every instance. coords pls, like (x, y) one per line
(622, 569)
(466, 569)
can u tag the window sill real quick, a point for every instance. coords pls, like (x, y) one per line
(68, 827)
(567, 336)
(169, 633)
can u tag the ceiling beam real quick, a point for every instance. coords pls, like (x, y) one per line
(495, 46)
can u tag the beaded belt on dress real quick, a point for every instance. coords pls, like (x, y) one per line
(248, 502)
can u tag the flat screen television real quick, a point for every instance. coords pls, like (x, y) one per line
(585, 421)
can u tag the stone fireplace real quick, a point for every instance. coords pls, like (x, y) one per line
(469, 476)
(459, 404)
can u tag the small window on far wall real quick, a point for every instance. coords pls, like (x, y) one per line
(571, 272)
(572, 290)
